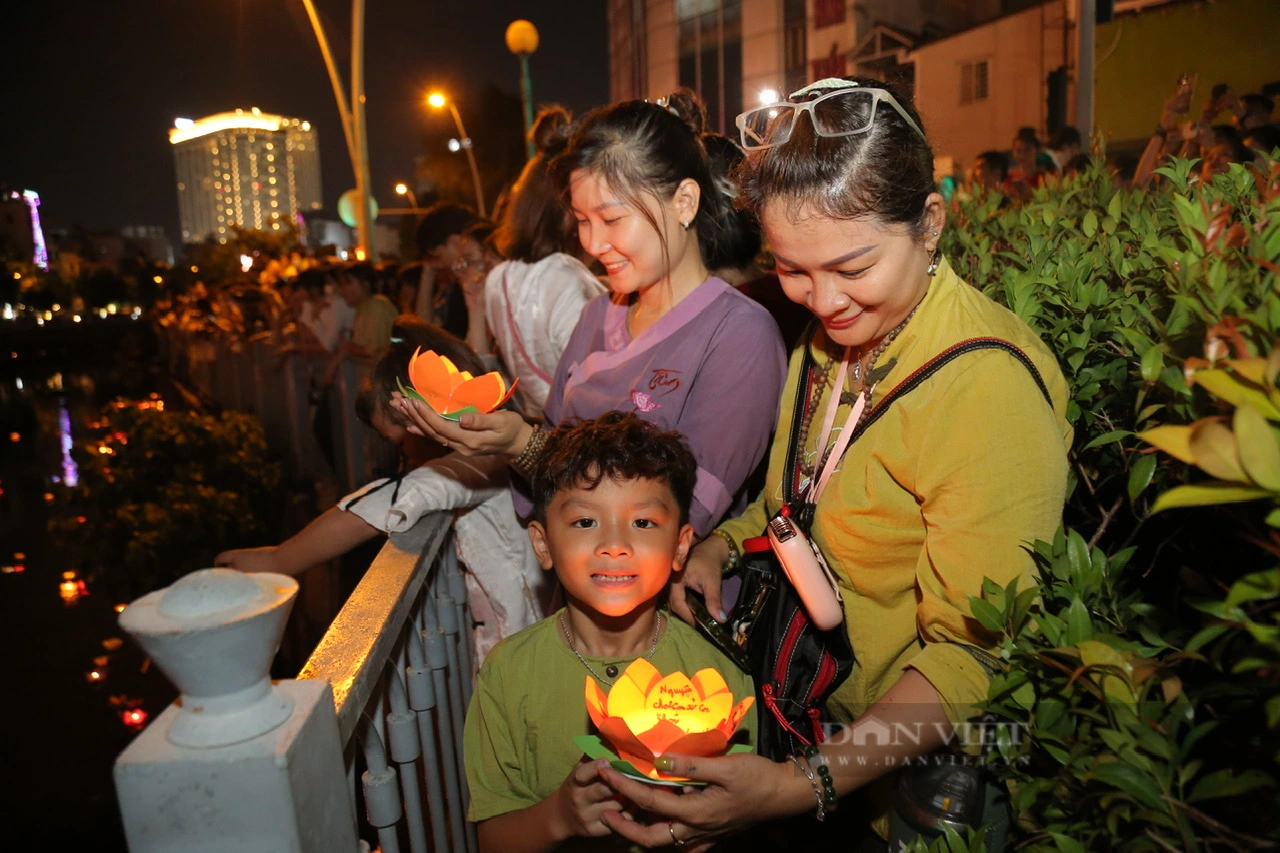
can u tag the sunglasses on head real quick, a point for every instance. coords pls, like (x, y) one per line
(843, 112)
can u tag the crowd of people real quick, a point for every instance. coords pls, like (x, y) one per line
(674, 402)
(1229, 129)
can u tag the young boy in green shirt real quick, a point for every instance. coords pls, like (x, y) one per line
(611, 501)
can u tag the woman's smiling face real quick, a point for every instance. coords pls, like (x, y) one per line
(619, 235)
(859, 278)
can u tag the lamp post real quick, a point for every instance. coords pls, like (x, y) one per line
(351, 113)
(522, 40)
(404, 189)
(437, 100)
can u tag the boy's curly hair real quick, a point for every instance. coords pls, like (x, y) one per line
(617, 445)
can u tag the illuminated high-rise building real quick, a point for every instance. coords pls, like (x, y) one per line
(245, 168)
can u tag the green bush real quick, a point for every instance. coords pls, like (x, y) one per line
(1144, 669)
(161, 492)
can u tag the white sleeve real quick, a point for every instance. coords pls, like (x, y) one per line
(454, 482)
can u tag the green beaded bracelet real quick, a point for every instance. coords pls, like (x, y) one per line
(830, 799)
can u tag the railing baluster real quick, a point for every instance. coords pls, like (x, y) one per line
(456, 584)
(422, 699)
(402, 740)
(381, 795)
(438, 660)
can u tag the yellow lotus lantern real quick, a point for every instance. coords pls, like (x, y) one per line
(450, 392)
(646, 714)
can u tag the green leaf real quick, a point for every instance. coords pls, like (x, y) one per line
(1114, 208)
(1172, 439)
(1214, 446)
(1132, 782)
(1256, 444)
(1090, 224)
(1066, 844)
(1207, 494)
(1152, 363)
(1140, 475)
(1107, 438)
(1254, 587)
(1079, 623)
(1227, 387)
(1227, 783)
(986, 613)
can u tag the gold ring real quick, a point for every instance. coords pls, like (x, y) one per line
(671, 828)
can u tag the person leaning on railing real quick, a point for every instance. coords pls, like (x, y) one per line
(506, 589)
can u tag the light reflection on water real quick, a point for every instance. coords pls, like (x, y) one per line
(70, 470)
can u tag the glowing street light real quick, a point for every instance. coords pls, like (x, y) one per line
(522, 40)
(436, 100)
(768, 96)
(404, 189)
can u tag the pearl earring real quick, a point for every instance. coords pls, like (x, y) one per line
(686, 225)
(933, 263)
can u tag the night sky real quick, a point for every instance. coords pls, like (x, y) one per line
(91, 88)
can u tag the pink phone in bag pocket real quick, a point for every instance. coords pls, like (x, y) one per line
(807, 572)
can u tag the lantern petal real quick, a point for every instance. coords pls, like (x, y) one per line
(710, 682)
(596, 702)
(482, 392)
(699, 743)
(627, 696)
(643, 674)
(731, 723)
(660, 736)
(616, 732)
(429, 373)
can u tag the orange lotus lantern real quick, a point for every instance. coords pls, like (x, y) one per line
(646, 714)
(450, 392)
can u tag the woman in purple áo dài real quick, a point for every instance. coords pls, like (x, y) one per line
(670, 342)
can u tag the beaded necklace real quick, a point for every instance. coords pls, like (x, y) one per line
(847, 398)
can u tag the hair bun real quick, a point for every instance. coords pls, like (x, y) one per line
(688, 106)
(550, 132)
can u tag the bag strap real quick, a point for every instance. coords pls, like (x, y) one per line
(803, 392)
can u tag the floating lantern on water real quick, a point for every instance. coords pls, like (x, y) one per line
(450, 392)
(134, 718)
(646, 714)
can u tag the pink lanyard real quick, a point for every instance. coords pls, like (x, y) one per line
(819, 483)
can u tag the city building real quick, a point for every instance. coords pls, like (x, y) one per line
(245, 168)
(978, 70)
(21, 236)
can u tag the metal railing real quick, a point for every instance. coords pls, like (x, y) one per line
(400, 663)
(399, 655)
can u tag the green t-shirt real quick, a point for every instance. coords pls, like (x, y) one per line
(529, 704)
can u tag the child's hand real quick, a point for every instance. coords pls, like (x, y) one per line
(582, 799)
(249, 560)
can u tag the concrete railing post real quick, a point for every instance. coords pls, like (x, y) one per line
(237, 762)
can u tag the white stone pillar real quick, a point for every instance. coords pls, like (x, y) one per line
(237, 763)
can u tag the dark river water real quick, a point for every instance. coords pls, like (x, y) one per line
(63, 725)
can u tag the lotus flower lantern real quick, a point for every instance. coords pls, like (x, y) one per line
(646, 714)
(450, 392)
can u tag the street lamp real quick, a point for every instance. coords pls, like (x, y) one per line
(436, 100)
(351, 113)
(522, 40)
(404, 189)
